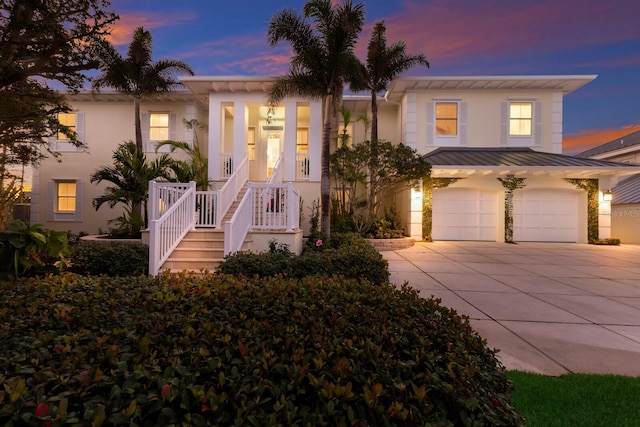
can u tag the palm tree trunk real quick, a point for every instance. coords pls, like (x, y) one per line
(138, 125)
(374, 156)
(136, 208)
(325, 186)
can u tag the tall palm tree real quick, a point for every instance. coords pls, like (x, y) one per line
(384, 63)
(137, 75)
(130, 176)
(322, 39)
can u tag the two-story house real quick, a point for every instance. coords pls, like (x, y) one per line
(477, 132)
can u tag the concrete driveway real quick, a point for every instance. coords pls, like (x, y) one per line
(550, 308)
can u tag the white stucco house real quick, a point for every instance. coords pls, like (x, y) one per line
(476, 131)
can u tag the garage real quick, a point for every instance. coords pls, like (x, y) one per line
(541, 215)
(464, 214)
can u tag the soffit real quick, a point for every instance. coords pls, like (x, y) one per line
(565, 84)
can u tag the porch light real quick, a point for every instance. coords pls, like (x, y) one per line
(607, 196)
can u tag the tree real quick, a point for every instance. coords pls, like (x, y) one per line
(130, 176)
(322, 39)
(137, 75)
(42, 41)
(197, 168)
(54, 40)
(384, 63)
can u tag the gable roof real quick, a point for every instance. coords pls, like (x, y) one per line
(449, 161)
(617, 144)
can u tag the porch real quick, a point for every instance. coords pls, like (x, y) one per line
(195, 230)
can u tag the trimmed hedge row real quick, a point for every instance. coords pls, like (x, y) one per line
(111, 258)
(349, 256)
(222, 350)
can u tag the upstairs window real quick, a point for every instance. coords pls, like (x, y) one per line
(520, 118)
(68, 120)
(158, 126)
(446, 118)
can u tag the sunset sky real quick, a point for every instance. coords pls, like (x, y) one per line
(459, 37)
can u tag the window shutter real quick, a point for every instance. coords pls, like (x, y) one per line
(430, 123)
(463, 123)
(504, 123)
(80, 128)
(144, 125)
(79, 200)
(51, 200)
(537, 120)
(173, 126)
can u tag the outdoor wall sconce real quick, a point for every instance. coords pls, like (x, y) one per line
(607, 196)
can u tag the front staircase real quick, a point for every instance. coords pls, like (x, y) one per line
(202, 249)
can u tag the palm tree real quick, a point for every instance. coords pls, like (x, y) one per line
(130, 176)
(137, 75)
(197, 168)
(322, 63)
(384, 63)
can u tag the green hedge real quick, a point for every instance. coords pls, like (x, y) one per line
(222, 350)
(110, 258)
(349, 256)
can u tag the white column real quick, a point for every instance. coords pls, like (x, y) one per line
(415, 213)
(315, 140)
(240, 123)
(215, 136)
(290, 139)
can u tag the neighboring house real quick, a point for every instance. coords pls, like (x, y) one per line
(473, 130)
(625, 204)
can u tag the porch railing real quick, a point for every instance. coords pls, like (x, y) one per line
(207, 214)
(231, 188)
(169, 227)
(263, 207)
(302, 166)
(226, 165)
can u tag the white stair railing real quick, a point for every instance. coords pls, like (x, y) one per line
(206, 204)
(230, 190)
(166, 231)
(237, 228)
(226, 165)
(275, 207)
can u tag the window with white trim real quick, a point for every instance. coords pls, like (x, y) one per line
(446, 123)
(520, 118)
(446, 118)
(75, 123)
(158, 126)
(521, 123)
(65, 200)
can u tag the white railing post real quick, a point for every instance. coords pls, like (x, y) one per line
(152, 205)
(290, 206)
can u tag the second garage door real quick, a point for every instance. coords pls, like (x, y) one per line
(464, 214)
(545, 216)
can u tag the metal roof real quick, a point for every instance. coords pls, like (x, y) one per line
(617, 144)
(627, 191)
(458, 161)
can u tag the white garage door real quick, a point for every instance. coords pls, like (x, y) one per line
(464, 214)
(545, 216)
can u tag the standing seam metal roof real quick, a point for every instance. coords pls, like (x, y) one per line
(513, 157)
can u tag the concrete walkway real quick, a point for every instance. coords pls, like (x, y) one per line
(550, 308)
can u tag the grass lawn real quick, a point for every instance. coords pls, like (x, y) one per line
(577, 400)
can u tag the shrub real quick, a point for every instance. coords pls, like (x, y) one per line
(110, 258)
(31, 249)
(221, 350)
(349, 256)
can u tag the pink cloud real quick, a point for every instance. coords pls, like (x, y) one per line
(461, 30)
(123, 29)
(578, 142)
